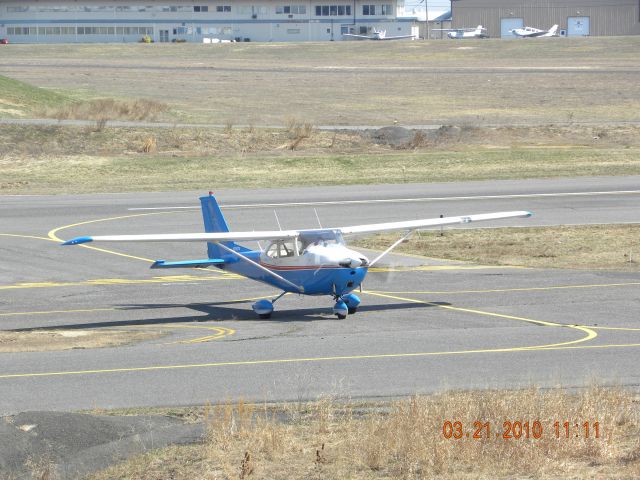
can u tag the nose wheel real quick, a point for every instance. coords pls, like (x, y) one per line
(346, 305)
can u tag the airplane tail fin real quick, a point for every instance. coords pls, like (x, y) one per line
(553, 30)
(214, 222)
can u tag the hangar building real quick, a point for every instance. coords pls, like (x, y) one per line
(86, 21)
(574, 17)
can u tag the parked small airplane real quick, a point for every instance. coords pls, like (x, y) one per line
(309, 262)
(376, 35)
(458, 33)
(530, 32)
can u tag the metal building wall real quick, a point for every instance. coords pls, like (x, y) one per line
(607, 17)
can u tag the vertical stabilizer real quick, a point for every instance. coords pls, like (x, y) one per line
(214, 222)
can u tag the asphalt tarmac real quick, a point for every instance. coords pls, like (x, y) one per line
(423, 326)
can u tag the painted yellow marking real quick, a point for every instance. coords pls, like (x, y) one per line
(117, 281)
(221, 332)
(304, 360)
(501, 290)
(26, 236)
(590, 334)
(439, 268)
(628, 329)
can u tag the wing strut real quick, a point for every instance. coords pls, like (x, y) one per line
(398, 242)
(257, 265)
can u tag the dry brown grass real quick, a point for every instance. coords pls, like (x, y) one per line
(42, 340)
(59, 159)
(106, 109)
(615, 247)
(564, 79)
(327, 439)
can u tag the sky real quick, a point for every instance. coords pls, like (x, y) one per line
(434, 5)
(439, 4)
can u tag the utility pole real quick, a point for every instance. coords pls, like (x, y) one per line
(426, 19)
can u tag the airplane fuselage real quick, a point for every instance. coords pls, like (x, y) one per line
(319, 270)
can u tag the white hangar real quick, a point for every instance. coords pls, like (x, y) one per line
(109, 21)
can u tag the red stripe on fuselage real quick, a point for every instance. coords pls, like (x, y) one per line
(301, 267)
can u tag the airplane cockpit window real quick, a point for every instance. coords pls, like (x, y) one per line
(282, 248)
(323, 238)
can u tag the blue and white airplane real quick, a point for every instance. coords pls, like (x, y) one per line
(308, 262)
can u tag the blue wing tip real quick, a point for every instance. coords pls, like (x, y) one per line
(78, 241)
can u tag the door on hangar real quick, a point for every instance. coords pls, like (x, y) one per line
(508, 24)
(577, 26)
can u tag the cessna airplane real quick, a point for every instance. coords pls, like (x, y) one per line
(530, 32)
(456, 33)
(377, 35)
(308, 262)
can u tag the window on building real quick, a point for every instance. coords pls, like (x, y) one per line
(223, 8)
(368, 10)
(331, 10)
(293, 31)
(385, 9)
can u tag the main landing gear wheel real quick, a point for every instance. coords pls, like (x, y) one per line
(352, 302)
(340, 309)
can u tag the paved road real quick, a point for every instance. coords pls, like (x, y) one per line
(423, 327)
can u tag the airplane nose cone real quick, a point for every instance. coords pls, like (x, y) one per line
(353, 262)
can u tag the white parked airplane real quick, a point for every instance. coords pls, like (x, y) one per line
(530, 32)
(457, 33)
(377, 35)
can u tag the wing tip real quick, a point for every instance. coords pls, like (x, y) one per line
(78, 241)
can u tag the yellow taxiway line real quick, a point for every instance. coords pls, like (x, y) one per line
(120, 281)
(306, 360)
(590, 334)
(503, 290)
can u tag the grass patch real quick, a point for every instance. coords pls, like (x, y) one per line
(353, 83)
(157, 172)
(45, 340)
(18, 99)
(327, 439)
(614, 247)
(106, 109)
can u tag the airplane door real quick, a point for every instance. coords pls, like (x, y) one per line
(507, 24)
(577, 26)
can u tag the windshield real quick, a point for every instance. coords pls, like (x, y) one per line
(321, 237)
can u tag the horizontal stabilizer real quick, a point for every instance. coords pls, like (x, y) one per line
(188, 263)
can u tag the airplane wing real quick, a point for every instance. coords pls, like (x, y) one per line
(412, 225)
(189, 237)
(353, 35)
(397, 37)
(453, 29)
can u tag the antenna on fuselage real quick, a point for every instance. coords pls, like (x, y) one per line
(317, 217)
(277, 220)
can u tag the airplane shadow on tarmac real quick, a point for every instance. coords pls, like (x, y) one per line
(225, 311)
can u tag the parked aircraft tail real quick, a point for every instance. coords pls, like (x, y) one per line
(552, 31)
